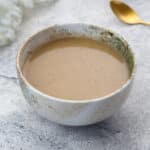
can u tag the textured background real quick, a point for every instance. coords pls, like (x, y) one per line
(128, 129)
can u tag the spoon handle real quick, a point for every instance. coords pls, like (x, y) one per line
(145, 23)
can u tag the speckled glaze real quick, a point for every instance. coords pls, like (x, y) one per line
(71, 112)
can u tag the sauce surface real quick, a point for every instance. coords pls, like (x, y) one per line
(76, 69)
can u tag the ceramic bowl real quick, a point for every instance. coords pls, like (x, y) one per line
(71, 112)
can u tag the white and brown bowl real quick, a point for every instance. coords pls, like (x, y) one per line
(71, 112)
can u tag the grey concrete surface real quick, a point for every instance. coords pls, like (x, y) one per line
(128, 129)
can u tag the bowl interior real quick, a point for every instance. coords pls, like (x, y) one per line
(76, 30)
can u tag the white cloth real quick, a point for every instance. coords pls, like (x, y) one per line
(11, 14)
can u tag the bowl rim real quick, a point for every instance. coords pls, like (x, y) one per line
(22, 77)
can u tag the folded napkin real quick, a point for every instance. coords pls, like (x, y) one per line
(11, 15)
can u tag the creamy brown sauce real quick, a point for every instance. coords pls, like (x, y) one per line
(76, 69)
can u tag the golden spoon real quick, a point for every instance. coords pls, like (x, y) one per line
(126, 13)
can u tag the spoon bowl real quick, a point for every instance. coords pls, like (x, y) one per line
(125, 13)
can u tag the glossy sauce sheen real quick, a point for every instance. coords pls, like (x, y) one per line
(76, 69)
